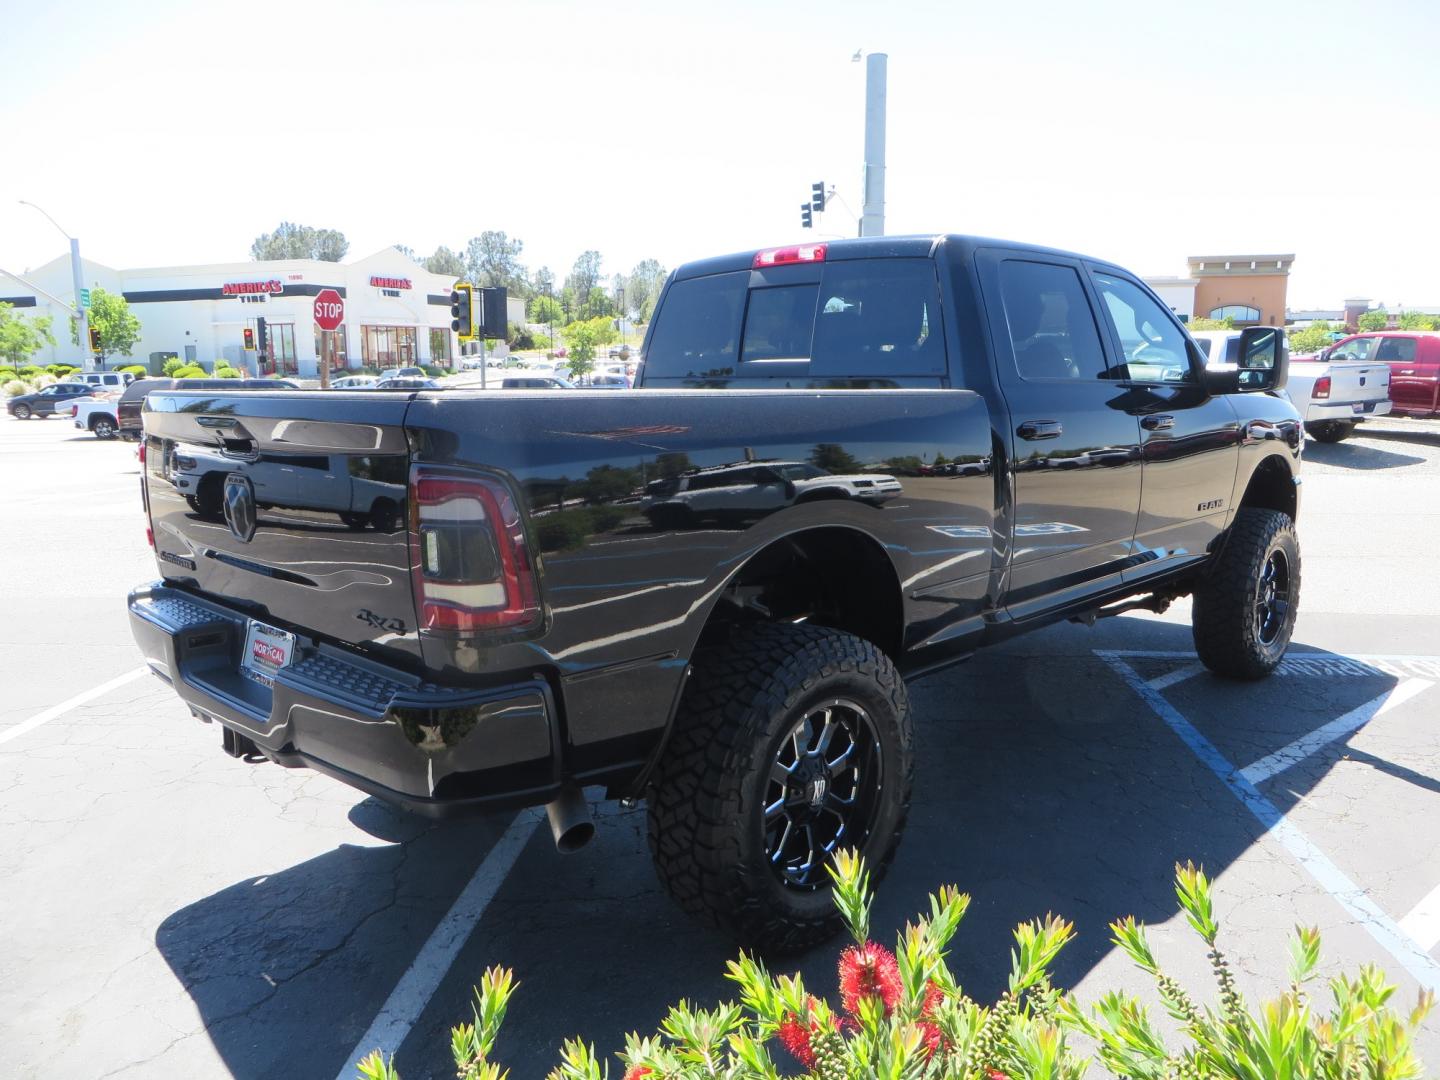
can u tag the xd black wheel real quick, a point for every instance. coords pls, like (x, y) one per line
(1244, 611)
(792, 741)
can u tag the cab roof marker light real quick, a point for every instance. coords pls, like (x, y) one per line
(801, 253)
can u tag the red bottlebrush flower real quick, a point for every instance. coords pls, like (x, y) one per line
(934, 995)
(637, 1072)
(869, 970)
(930, 1038)
(796, 1038)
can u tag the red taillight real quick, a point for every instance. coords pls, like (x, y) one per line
(804, 253)
(140, 453)
(1322, 387)
(149, 536)
(74, 411)
(468, 560)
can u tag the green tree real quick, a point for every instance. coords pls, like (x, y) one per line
(584, 277)
(492, 259)
(1312, 339)
(1198, 323)
(546, 309)
(110, 314)
(1373, 320)
(1415, 320)
(408, 252)
(544, 282)
(291, 241)
(446, 262)
(644, 285)
(601, 304)
(832, 457)
(21, 337)
(583, 337)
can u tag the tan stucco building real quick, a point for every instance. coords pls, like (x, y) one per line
(1247, 288)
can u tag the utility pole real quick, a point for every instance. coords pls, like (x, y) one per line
(89, 361)
(872, 215)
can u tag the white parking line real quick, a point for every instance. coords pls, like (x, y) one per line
(1423, 922)
(423, 977)
(27, 726)
(1179, 675)
(1354, 720)
(1394, 940)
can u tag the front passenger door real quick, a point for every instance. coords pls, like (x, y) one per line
(1189, 440)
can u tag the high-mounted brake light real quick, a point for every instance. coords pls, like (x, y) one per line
(1322, 387)
(469, 564)
(804, 253)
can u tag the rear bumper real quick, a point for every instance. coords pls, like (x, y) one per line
(1347, 410)
(433, 750)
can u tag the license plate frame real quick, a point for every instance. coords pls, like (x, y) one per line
(267, 649)
(1360, 407)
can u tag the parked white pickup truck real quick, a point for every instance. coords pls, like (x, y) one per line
(1332, 396)
(97, 415)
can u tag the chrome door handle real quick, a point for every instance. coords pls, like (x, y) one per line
(1157, 422)
(1035, 430)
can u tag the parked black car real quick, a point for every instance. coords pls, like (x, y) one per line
(55, 398)
(128, 407)
(529, 631)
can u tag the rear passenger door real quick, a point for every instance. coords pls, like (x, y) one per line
(1074, 446)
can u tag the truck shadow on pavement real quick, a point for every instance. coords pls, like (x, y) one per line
(1044, 783)
(1352, 455)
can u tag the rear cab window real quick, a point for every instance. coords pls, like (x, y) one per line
(836, 322)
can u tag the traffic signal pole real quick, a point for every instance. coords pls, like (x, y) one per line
(84, 316)
(872, 214)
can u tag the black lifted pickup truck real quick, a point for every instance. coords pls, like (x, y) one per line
(844, 465)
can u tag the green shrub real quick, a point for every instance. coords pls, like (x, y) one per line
(171, 366)
(8, 373)
(226, 372)
(14, 388)
(433, 371)
(188, 371)
(29, 371)
(902, 1014)
(138, 370)
(563, 530)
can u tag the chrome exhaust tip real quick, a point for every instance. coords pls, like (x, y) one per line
(570, 821)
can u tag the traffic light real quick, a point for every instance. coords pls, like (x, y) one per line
(807, 219)
(94, 339)
(462, 311)
(249, 339)
(817, 197)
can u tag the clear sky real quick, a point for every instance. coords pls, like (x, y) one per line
(167, 133)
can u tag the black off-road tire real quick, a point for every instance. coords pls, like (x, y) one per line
(706, 805)
(1229, 625)
(1330, 431)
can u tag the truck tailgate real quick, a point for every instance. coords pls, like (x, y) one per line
(292, 505)
(1351, 381)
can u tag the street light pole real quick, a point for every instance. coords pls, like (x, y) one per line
(872, 213)
(83, 319)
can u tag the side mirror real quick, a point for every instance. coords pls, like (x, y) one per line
(1264, 358)
(1262, 363)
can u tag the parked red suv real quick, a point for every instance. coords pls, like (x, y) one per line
(1414, 360)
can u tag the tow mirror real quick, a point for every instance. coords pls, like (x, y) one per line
(1262, 363)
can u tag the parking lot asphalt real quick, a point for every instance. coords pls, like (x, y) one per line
(166, 911)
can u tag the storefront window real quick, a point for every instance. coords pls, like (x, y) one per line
(338, 360)
(281, 342)
(388, 346)
(440, 346)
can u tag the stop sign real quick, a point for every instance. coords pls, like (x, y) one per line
(329, 309)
